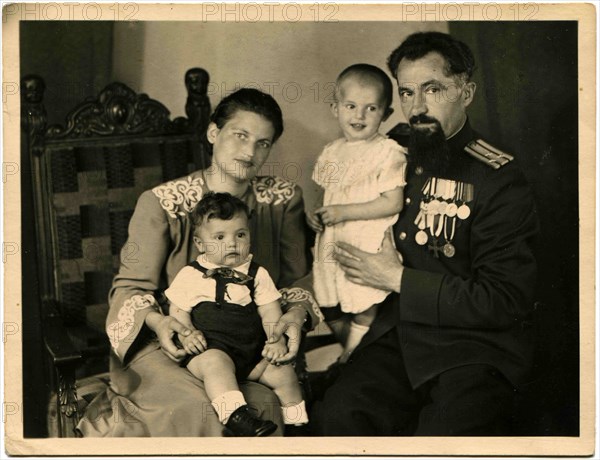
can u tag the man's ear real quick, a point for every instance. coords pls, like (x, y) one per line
(388, 113)
(468, 93)
(212, 132)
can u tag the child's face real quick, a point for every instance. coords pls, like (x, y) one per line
(360, 109)
(224, 242)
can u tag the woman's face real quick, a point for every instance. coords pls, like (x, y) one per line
(241, 146)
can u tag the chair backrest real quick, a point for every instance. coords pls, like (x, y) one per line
(87, 177)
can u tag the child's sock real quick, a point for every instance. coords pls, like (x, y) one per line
(295, 415)
(226, 403)
(357, 332)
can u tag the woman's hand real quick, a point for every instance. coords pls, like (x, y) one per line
(290, 323)
(314, 221)
(274, 352)
(382, 270)
(165, 327)
(333, 214)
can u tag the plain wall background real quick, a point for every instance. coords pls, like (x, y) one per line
(296, 63)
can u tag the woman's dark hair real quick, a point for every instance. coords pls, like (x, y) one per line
(458, 56)
(222, 206)
(250, 100)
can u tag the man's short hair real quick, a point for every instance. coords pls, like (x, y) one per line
(459, 58)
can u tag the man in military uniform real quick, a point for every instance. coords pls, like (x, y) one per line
(449, 345)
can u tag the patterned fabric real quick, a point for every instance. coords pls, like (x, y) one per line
(179, 198)
(297, 294)
(273, 190)
(94, 190)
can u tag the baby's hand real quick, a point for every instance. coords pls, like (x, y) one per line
(314, 221)
(193, 344)
(332, 214)
(273, 352)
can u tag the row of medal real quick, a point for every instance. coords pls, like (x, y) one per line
(444, 201)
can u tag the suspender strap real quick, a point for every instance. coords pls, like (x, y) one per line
(222, 284)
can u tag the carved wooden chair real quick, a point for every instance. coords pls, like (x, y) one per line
(87, 176)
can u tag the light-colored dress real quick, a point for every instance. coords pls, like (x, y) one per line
(150, 395)
(350, 173)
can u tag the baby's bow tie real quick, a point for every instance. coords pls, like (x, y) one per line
(229, 274)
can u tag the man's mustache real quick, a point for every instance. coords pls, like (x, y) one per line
(422, 119)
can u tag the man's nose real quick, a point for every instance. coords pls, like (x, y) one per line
(419, 106)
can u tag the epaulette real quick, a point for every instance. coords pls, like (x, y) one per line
(484, 152)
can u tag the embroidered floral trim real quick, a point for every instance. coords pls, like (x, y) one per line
(296, 294)
(273, 190)
(118, 330)
(179, 198)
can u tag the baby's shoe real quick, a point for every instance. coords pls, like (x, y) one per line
(243, 423)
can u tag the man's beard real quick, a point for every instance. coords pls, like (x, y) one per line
(428, 148)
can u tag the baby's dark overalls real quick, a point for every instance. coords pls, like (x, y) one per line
(235, 329)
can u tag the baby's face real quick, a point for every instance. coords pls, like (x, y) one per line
(360, 109)
(224, 242)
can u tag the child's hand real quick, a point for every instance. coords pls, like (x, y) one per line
(314, 221)
(273, 352)
(194, 344)
(332, 214)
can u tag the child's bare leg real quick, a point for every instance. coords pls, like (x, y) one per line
(367, 317)
(361, 322)
(216, 369)
(284, 382)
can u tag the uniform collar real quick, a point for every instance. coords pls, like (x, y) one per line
(458, 142)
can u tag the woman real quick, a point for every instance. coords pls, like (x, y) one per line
(150, 395)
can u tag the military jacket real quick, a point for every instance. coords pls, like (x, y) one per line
(468, 284)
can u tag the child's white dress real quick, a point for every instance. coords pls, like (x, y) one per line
(354, 172)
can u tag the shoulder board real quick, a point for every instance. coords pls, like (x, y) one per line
(484, 152)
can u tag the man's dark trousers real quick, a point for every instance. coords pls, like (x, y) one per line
(373, 397)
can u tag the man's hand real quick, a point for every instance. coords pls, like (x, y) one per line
(165, 327)
(290, 323)
(382, 270)
(332, 214)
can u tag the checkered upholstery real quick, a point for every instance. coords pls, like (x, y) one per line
(93, 191)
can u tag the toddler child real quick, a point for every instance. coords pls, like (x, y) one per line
(361, 178)
(230, 302)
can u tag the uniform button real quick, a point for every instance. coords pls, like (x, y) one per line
(407, 201)
(402, 236)
(418, 170)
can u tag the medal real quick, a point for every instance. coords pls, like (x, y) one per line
(421, 238)
(433, 207)
(442, 207)
(463, 212)
(451, 209)
(449, 250)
